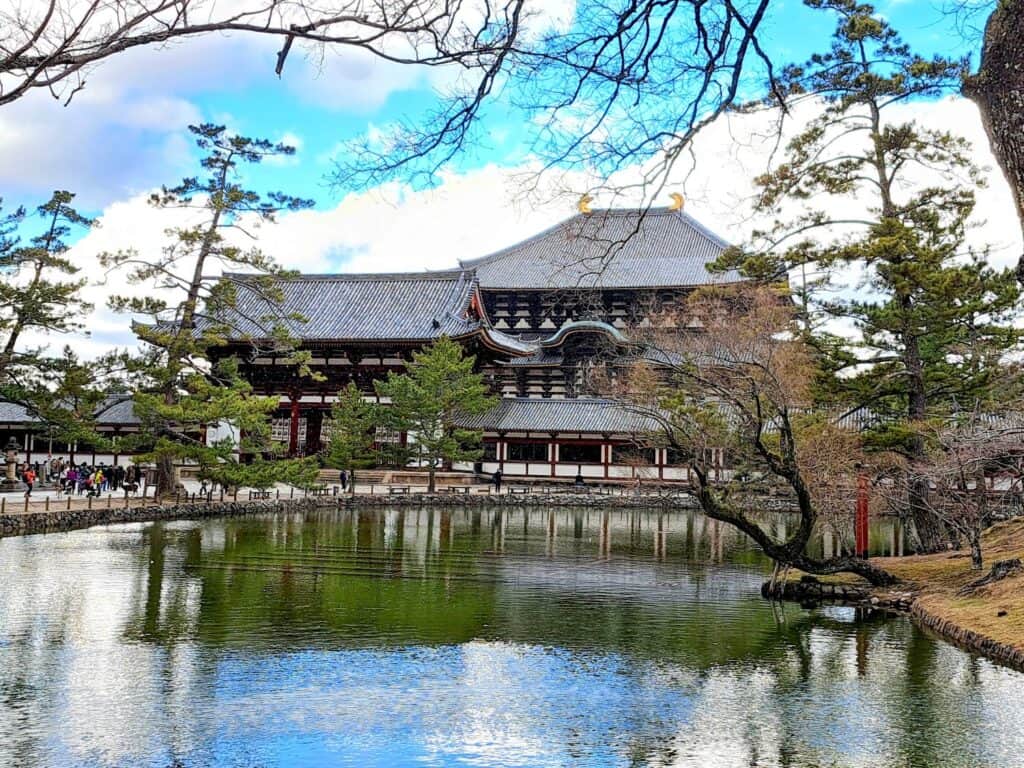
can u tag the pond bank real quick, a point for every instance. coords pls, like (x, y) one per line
(18, 523)
(934, 590)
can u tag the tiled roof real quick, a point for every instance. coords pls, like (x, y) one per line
(511, 343)
(12, 413)
(117, 409)
(402, 306)
(114, 410)
(612, 248)
(520, 414)
(540, 357)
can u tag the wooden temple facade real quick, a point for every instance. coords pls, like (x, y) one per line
(542, 317)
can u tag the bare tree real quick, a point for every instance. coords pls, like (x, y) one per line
(54, 44)
(743, 383)
(631, 84)
(973, 466)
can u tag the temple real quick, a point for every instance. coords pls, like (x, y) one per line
(543, 318)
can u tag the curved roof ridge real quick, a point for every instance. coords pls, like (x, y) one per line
(460, 297)
(579, 325)
(507, 250)
(595, 214)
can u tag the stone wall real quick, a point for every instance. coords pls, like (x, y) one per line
(967, 639)
(21, 523)
(810, 592)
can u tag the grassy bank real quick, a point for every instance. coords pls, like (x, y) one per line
(994, 611)
(988, 619)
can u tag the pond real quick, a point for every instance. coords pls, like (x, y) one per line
(469, 638)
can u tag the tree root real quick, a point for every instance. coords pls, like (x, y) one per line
(1000, 570)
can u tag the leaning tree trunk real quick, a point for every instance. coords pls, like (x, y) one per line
(998, 90)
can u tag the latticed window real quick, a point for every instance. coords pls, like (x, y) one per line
(281, 430)
(387, 435)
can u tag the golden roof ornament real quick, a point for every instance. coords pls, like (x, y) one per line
(583, 206)
(677, 202)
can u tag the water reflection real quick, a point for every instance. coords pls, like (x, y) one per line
(422, 637)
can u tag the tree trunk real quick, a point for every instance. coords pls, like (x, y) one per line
(931, 533)
(998, 90)
(977, 563)
(164, 476)
(791, 552)
(430, 477)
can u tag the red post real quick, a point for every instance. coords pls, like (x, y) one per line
(293, 431)
(861, 521)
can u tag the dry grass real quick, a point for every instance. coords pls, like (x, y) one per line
(936, 579)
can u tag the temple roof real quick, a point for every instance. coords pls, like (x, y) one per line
(13, 413)
(611, 248)
(414, 306)
(114, 410)
(522, 414)
(403, 306)
(117, 409)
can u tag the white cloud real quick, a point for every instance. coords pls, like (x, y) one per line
(395, 228)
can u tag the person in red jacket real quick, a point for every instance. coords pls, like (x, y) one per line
(29, 478)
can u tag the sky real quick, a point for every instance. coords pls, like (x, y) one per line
(126, 133)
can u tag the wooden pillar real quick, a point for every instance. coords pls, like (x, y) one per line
(606, 456)
(314, 429)
(552, 453)
(293, 429)
(861, 517)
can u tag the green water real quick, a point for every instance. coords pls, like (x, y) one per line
(427, 638)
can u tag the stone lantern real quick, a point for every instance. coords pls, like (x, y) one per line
(10, 483)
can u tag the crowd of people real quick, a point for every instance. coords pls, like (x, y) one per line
(79, 479)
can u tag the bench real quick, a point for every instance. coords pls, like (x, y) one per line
(512, 491)
(320, 490)
(398, 489)
(259, 495)
(466, 489)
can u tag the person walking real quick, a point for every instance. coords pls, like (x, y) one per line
(29, 479)
(343, 479)
(496, 479)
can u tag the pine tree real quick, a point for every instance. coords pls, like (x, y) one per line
(189, 385)
(426, 401)
(39, 291)
(351, 433)
(932, 318)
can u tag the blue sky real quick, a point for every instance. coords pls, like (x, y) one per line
(136, 136)
(125, 134)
